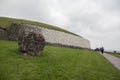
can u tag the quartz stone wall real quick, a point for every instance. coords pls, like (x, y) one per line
(51, 36)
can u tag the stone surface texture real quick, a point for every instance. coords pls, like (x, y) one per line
(13, 31)
(51, 36)
(3, 35)
(30, 42)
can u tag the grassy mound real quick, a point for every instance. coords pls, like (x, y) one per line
(6, 22)
(54, 64)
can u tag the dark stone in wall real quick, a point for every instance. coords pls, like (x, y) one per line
(31, 43)
(13, 31)
(67, 46)
(3, 34)
(3, 28)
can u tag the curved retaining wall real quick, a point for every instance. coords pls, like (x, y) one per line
(52, 37)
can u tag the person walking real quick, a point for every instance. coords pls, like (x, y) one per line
(102, 50)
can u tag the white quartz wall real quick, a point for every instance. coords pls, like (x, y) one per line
(53, 36)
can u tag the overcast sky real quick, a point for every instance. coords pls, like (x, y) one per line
(95, 20)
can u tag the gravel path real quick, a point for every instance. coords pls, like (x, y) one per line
(114, 60)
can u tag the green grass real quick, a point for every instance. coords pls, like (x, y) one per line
(54, 64)
(6, 22)
(115, 54)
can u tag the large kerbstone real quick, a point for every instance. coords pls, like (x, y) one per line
(31, 43)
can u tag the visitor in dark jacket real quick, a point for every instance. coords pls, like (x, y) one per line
(102, 50)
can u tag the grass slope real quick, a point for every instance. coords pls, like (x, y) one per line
(115, 54)
(54, 64)
(6, 22)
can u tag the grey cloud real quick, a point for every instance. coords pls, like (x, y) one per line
(28, 9)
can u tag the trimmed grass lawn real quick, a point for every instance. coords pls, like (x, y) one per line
(115, 54)
(54, 64)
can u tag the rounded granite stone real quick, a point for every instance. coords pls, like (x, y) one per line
(31, 43)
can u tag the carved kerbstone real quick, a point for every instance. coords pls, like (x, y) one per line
(31, 43)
